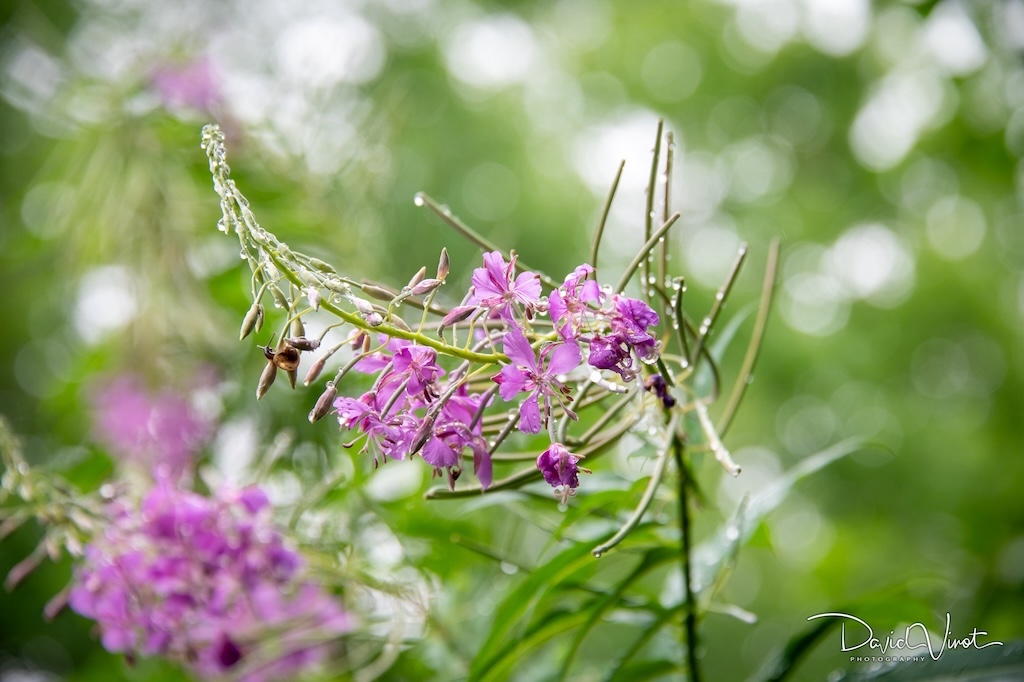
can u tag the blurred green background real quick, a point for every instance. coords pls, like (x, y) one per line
(881, 143)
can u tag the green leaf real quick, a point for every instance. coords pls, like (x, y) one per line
(517, 605)
(711, 556)
(650, 561)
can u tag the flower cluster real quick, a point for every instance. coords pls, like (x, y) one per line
(208, 582)
(415, 407)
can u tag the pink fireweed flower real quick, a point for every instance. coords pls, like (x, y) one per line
(208, 582)
(419, 365)
(496, 287)
(568, 305)
(387, 435)
(560, 470)
(536, 378)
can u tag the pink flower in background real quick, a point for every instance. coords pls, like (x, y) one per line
(192, 85)
(162, 432)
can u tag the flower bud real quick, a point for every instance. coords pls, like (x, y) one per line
(444, 265)
(314, 371)
(250, 320)
(418, 277)
(259, 316)
(323, 403)
(293, 376)
(322, 266)
(266, 380)
(457, 314)
(426, 286)
(398, 322)
(298, 329)
(379, 293)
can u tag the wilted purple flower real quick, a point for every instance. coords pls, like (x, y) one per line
(206, 581)
(631, 319)
(560, 470)
(161, 432)
(657, 383)
(496, 287)
(537, 378)
(611, 352)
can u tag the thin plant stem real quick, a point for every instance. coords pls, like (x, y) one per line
(666, 208)
(690, 618)
(644, 254)
(472, 235)
(746, 373)
(652, 184)
(652, 487)
(723, 293)
(599, 231)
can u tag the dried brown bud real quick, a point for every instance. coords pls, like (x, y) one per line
(314, 371)
(323, 403)
(266, 380)
(302, 343)
(250, 320)
(298, 329)
(443, 265)
(418, 277)
(426, 286)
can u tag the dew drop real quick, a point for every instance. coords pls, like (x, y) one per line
(509, 569)
(732, 533)
(597, 555)
(418, 200)
(720, 295)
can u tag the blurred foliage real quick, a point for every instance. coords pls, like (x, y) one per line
(881, 142)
